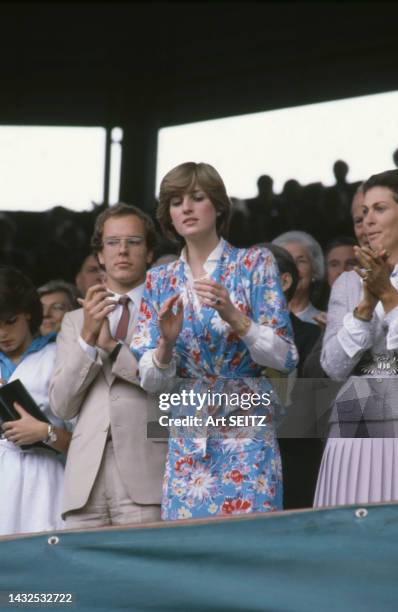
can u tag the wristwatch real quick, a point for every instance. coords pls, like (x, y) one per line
(51, 435)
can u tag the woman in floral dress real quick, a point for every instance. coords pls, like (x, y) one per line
(213, 320)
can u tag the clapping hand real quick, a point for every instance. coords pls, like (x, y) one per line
(170, 322)
(96, 306)
(375, 271)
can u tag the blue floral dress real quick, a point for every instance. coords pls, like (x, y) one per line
(233, 472)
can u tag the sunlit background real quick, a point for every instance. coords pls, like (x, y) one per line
(42, 166)
(301, 142)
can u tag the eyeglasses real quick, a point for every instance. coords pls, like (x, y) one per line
(130, 242)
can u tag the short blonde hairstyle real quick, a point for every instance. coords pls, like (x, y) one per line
(182, 179)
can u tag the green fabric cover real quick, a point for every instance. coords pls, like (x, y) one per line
(321, 561)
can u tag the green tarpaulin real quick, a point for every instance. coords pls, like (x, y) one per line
(324, 560)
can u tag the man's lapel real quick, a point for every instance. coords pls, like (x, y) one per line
(106, 366)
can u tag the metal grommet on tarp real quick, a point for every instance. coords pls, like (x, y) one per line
(52, 540)
(361, 513)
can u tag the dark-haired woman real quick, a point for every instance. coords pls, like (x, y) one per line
(31, 480)
(215, 318)
(360, 461)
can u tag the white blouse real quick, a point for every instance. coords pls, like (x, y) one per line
(346, 337)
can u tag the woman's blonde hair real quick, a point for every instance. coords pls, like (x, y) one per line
(184, 178)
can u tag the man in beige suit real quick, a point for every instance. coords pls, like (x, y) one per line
(113, 471)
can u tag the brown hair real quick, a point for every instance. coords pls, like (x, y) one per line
(388, 179)
(180, 180)
(123, 210)
(19, 295)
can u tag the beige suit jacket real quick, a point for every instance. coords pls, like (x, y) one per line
(104, 395)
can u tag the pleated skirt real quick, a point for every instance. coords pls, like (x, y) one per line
(358, 471)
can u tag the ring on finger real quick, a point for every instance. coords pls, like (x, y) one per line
(217, 301)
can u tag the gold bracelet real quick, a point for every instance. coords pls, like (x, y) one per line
(360, 317)
(243, 327)
(157, 364)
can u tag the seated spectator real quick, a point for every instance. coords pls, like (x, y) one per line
(10, 254)
(89, 274)
(339, 257)
(301, 456)
(308, 257)
(305, 334)
(263, 210)
(292, 206)
(63, 236)
(57, 297)
(239, 231)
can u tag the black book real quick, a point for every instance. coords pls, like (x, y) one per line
(15, 391)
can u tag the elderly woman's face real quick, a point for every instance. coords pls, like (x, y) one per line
(304, 265)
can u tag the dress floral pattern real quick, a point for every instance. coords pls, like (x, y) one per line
(233, 473)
